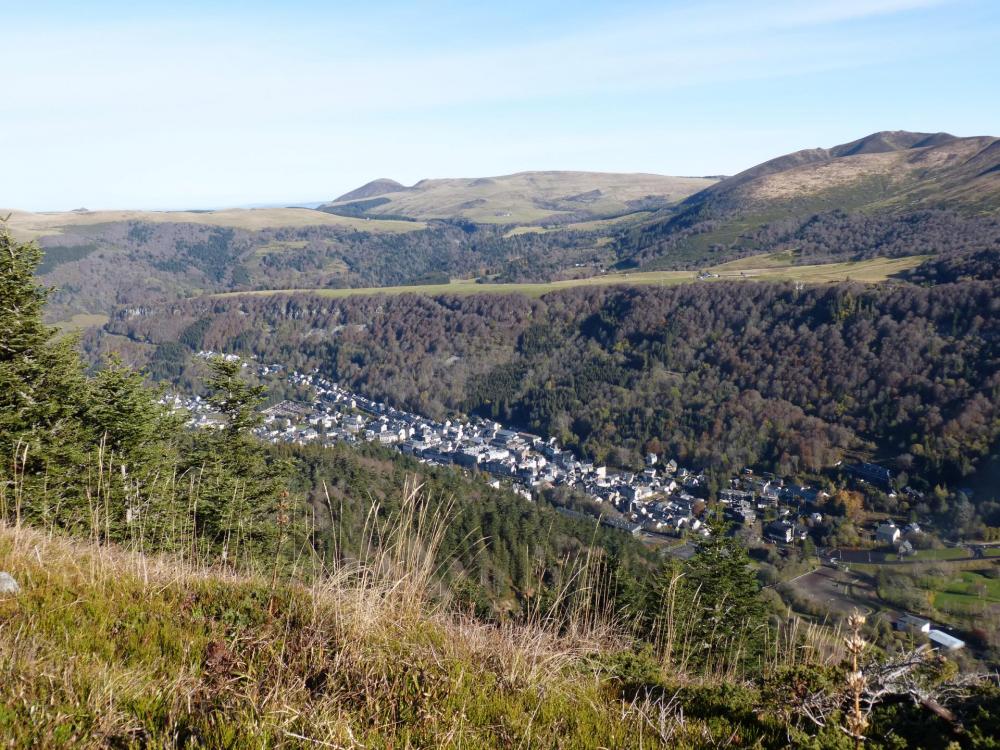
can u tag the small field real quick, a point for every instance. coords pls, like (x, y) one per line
(967, 591)
(869, 271)
(830, 592)
(946, 553)
(580, 226)
(278, 247)
(767, 260)
(963, 592)
(82, 321)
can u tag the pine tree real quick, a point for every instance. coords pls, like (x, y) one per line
(722, 596)
(124, 415)
(135, 439)
(241, 510)
(42, 392)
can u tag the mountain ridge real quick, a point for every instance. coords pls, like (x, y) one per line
(530, 197)
(886, 195)
(375, 188)
(888, 175)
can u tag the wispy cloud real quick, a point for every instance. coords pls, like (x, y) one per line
(147, 97)
(659, 51)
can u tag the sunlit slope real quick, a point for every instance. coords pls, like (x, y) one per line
(29, 225)
(931, 192)
(521, 198)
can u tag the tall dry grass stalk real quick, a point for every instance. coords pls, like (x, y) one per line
(393, 583)
(389, 591)
(394, 577)
(687, 655)
(857, 721)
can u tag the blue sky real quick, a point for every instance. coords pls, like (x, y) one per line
(211, 104)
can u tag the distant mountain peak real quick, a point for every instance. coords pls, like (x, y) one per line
(891, 140)
(881, 142)
(942, 189)
(372, 189)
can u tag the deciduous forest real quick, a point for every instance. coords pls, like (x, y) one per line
(719, 375)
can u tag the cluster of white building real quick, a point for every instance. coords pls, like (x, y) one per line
(921, 627)
(662, 497)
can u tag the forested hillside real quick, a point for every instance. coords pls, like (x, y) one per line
(721, 375)
(888, 194)
(500, 555)
(221, 490)
(96, 267)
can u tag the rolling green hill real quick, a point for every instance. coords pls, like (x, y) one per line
(28, 225)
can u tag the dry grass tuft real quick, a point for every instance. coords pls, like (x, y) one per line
(108, 646)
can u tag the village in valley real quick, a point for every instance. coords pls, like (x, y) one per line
(663, 504)
(662, 498)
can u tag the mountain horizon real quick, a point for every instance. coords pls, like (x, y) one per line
(877, 142)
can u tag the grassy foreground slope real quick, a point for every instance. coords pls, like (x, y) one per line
(109, 648)
(106, 647)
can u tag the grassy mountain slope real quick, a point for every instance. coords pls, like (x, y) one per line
(914, 169)
(372, 189)
(523, 198)
(109, 648)
(28, 225)
(938, 188)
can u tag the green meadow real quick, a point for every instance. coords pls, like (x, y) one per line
(867, 271)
